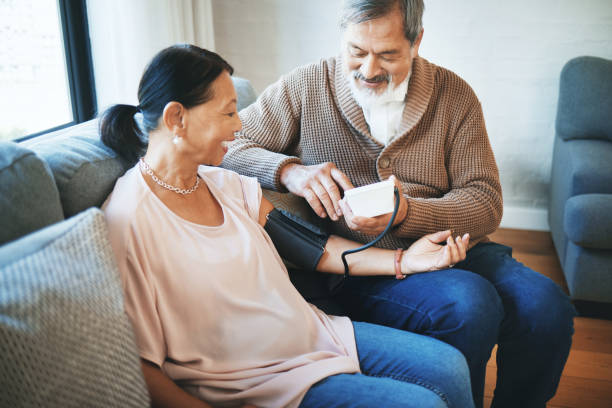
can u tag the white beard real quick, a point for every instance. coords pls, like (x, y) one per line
(366, 98)
(382, 110)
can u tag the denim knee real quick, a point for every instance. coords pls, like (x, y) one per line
(455, 375)
(470, 303)
(545, 311)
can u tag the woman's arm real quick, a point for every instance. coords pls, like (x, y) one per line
(426, 254)
(164, 392)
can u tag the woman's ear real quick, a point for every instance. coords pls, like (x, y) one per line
(173, 118)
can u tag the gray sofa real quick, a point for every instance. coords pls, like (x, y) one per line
(64, 338)
(580, 211)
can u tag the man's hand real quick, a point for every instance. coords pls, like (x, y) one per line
(427, 254)
(318, 184)
(375, 225)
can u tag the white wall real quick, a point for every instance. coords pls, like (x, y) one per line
(263, 39)
(510, 52)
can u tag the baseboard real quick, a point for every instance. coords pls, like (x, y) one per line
(525, 218)
(597, 310)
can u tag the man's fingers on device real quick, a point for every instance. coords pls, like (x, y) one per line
(325, 200)
(333, 192)
(346, 208)
(341, 179)
(314, 202)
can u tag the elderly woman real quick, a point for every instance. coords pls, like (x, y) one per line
(216, 318)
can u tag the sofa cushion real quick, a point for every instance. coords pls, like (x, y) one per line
(585, 99)
(29, 199)
(588, 272)
(590, 166)
(85, 170)
(588, 220)
(244, 92)
(65, 339)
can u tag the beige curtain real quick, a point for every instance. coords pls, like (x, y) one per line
(125, 35)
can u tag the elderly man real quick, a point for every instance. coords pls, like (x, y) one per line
(378, 110)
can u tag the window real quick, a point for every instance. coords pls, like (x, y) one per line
(46, 76)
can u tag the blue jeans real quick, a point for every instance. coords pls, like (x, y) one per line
(398, 369)
(487, 299)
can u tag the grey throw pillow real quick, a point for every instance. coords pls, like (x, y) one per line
(29, 199)
(65, 340)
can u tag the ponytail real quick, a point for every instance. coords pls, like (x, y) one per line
(120, 132)
(183, 73)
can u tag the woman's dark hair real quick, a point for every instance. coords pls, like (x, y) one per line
(182, 73)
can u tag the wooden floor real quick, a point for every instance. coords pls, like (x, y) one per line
(587, 378)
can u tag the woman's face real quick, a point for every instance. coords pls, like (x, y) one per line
(211, 125)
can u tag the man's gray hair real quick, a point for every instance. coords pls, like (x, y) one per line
(358, 11)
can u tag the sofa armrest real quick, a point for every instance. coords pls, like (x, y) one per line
(588, 220)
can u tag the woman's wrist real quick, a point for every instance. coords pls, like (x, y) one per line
(405, 266)
(397, 263)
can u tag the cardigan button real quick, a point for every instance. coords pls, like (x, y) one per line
(384, 162)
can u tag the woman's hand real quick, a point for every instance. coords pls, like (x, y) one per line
(427, 254)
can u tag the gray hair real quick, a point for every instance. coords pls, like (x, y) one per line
(358, 11)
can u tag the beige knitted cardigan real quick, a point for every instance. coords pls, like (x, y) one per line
(442, 154)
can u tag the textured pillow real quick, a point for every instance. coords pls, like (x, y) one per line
(65, 340)
(29, 199)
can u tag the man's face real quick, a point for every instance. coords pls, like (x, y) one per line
(377, 55)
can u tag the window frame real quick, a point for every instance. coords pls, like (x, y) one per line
(79, 64)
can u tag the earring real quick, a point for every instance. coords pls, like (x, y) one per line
(176, 139)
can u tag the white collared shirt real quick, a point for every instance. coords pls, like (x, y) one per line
(385, 115)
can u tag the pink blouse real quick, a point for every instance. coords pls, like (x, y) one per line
(214, 306)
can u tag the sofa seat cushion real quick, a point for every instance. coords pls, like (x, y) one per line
(85, 170)
(65, 339)
(588, 273)
(29, 199)
(590, 163)
(588, 220)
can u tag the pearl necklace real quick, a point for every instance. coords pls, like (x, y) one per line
(147, 169)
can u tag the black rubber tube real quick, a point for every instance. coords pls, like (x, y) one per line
(378, 238)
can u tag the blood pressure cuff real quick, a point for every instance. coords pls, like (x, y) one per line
(296, 240)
